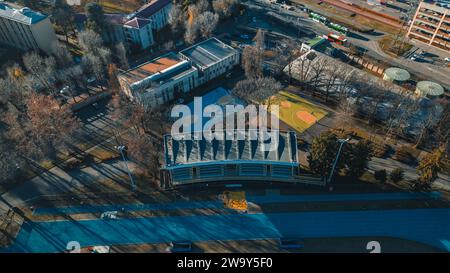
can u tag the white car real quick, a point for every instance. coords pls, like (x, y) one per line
(447, 59)
(64, 90)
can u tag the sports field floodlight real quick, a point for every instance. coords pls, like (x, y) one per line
(341, 144)
(121, 148)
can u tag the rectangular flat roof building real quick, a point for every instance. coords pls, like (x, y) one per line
(212, 57)
(156, 81)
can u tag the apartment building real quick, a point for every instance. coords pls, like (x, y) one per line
(431, 25)
(26, 29)
(136, 29)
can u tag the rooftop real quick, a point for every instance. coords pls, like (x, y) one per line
(188, 151)
(157, 70)
(137, 22)
(427, 88)
(150, 8)
(23, 15)
(208, 52)
(397, 74)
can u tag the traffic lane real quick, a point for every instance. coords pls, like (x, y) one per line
(429, 226)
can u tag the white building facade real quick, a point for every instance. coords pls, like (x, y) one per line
(167, 77)
(26, 29)
(159, 81)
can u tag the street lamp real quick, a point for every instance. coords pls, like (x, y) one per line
(341, 143)
(120, 149)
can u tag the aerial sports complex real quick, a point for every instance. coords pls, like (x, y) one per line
(238, 160)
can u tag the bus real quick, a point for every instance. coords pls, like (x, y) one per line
(337, 38)
(338, 28)
(318, 18)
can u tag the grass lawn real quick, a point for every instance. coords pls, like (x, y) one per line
(297, 112)
(114, 6)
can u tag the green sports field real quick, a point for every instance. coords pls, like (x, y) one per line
(297, 112)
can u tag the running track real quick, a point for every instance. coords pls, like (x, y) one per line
(430, 226)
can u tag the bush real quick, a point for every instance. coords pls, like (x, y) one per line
(380, 175)
(403, 154)
(397, 175)
(379, 148)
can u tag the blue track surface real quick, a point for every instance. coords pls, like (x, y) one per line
(254, 199)
(430, 226)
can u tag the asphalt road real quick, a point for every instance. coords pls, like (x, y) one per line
(429, 226)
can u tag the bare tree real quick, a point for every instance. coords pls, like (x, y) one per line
(50, 124)
(191, 33)
(207, 22)
(252, 62)
(224, 8)
(176, 18)
(121, 53)
(42, 69)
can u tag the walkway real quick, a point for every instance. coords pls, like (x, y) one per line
(219, 205)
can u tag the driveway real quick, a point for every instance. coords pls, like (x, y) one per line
(429, 226)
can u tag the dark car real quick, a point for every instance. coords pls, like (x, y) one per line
(290, 243)
(180, 246)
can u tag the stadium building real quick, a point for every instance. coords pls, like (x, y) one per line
(190, 161)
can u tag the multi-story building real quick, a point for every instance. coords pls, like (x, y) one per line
(26, 29)
(159, 80)
(163, 79)
(157, 11)
(212, 57)
(431, 25)
(136, 29)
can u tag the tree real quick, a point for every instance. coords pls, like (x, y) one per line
(121, 53)
(62, 56)
(260, 40)
(42, 69)
(357, 158)
(95, 17)
(176, 18)
(207, 22)
(191, 33)
(50, 125)
(323, 154)
(396, 175)
(252, 62)
(64, 17)
(259, 89)
(112, 78)
(14, 88)
(224, 8)
(90, 41)
(429, 166)
(145, 153)
(380, 175)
